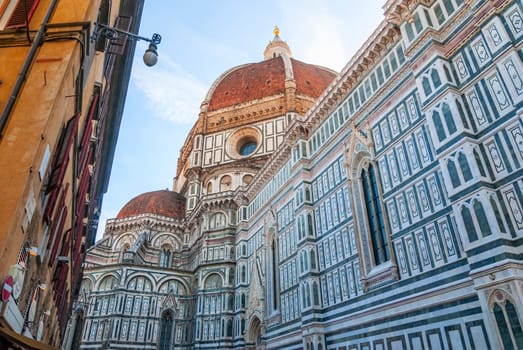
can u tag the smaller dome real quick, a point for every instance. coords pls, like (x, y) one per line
(164, 202)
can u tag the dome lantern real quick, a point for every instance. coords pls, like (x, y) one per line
(276, 47)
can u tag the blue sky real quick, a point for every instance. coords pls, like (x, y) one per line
(201, 39)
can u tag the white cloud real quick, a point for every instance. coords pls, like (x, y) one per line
(174, 94)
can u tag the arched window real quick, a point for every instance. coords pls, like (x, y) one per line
(140, 283)
(447, 73)
(303, 296)
(213, 281)
(217, 221)
(315, 293)
(427, 89)
(226, 183)
(497, 214)
(230, 303)
(435, 78)
(477, 158)
(507, 322)
(166, 331)
(243, 301)
(310, 227)
(469, 224)
(244, 274)
(209, 187)
(482, 219)
(449, 119)
(439, 126)
(465, 168)
(313, 260)
(108, 283)
(274, 275)
(453, 173)
(229, 328)
(462, 115)
(165, 256)
(375, 218)
(172, 285)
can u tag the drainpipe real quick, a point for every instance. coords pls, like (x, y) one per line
(25, 68)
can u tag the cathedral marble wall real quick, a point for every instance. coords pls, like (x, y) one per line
(442, 122)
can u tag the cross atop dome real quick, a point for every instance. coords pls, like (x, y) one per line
(276, 47)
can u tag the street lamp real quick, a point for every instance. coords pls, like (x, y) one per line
(150, 57)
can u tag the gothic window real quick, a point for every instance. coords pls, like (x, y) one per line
(438, 126)
(313, 259)
(465, 168)
(375, 217)
(434, 75)
(243, 274)
(316, 293)
(439, 14)
(449, 119)
(209, 187)
(310, 225)
(448, 6)
(508, 323)
(166, 331)
(462, 114)
(453, 172)
(409, 31)
(229, 328)
(273, 276)
(497, 214)
(482, 218)
(479, 162)
(469, 224)
(427, 89)
(165, 256)
(447, 73)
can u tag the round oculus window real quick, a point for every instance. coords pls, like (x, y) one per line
(247, 148)
(243, 142)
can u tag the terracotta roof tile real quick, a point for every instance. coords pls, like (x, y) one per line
(163, 202)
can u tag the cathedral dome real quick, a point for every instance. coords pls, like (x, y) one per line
(267, 78)
(278, 88)
(164, 202)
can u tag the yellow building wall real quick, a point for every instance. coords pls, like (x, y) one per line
(44, 105)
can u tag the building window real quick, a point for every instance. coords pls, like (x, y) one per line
(165, 256)
(166, 331)
(507, 322)
(247, 148)
(438, 126)
(469, 224)
(225, 183)
(449, 119)
(20, 14)
(217, 221)
(375, 218)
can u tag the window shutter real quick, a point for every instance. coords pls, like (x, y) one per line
(57, 217)
(59, 165)
(22, 13)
